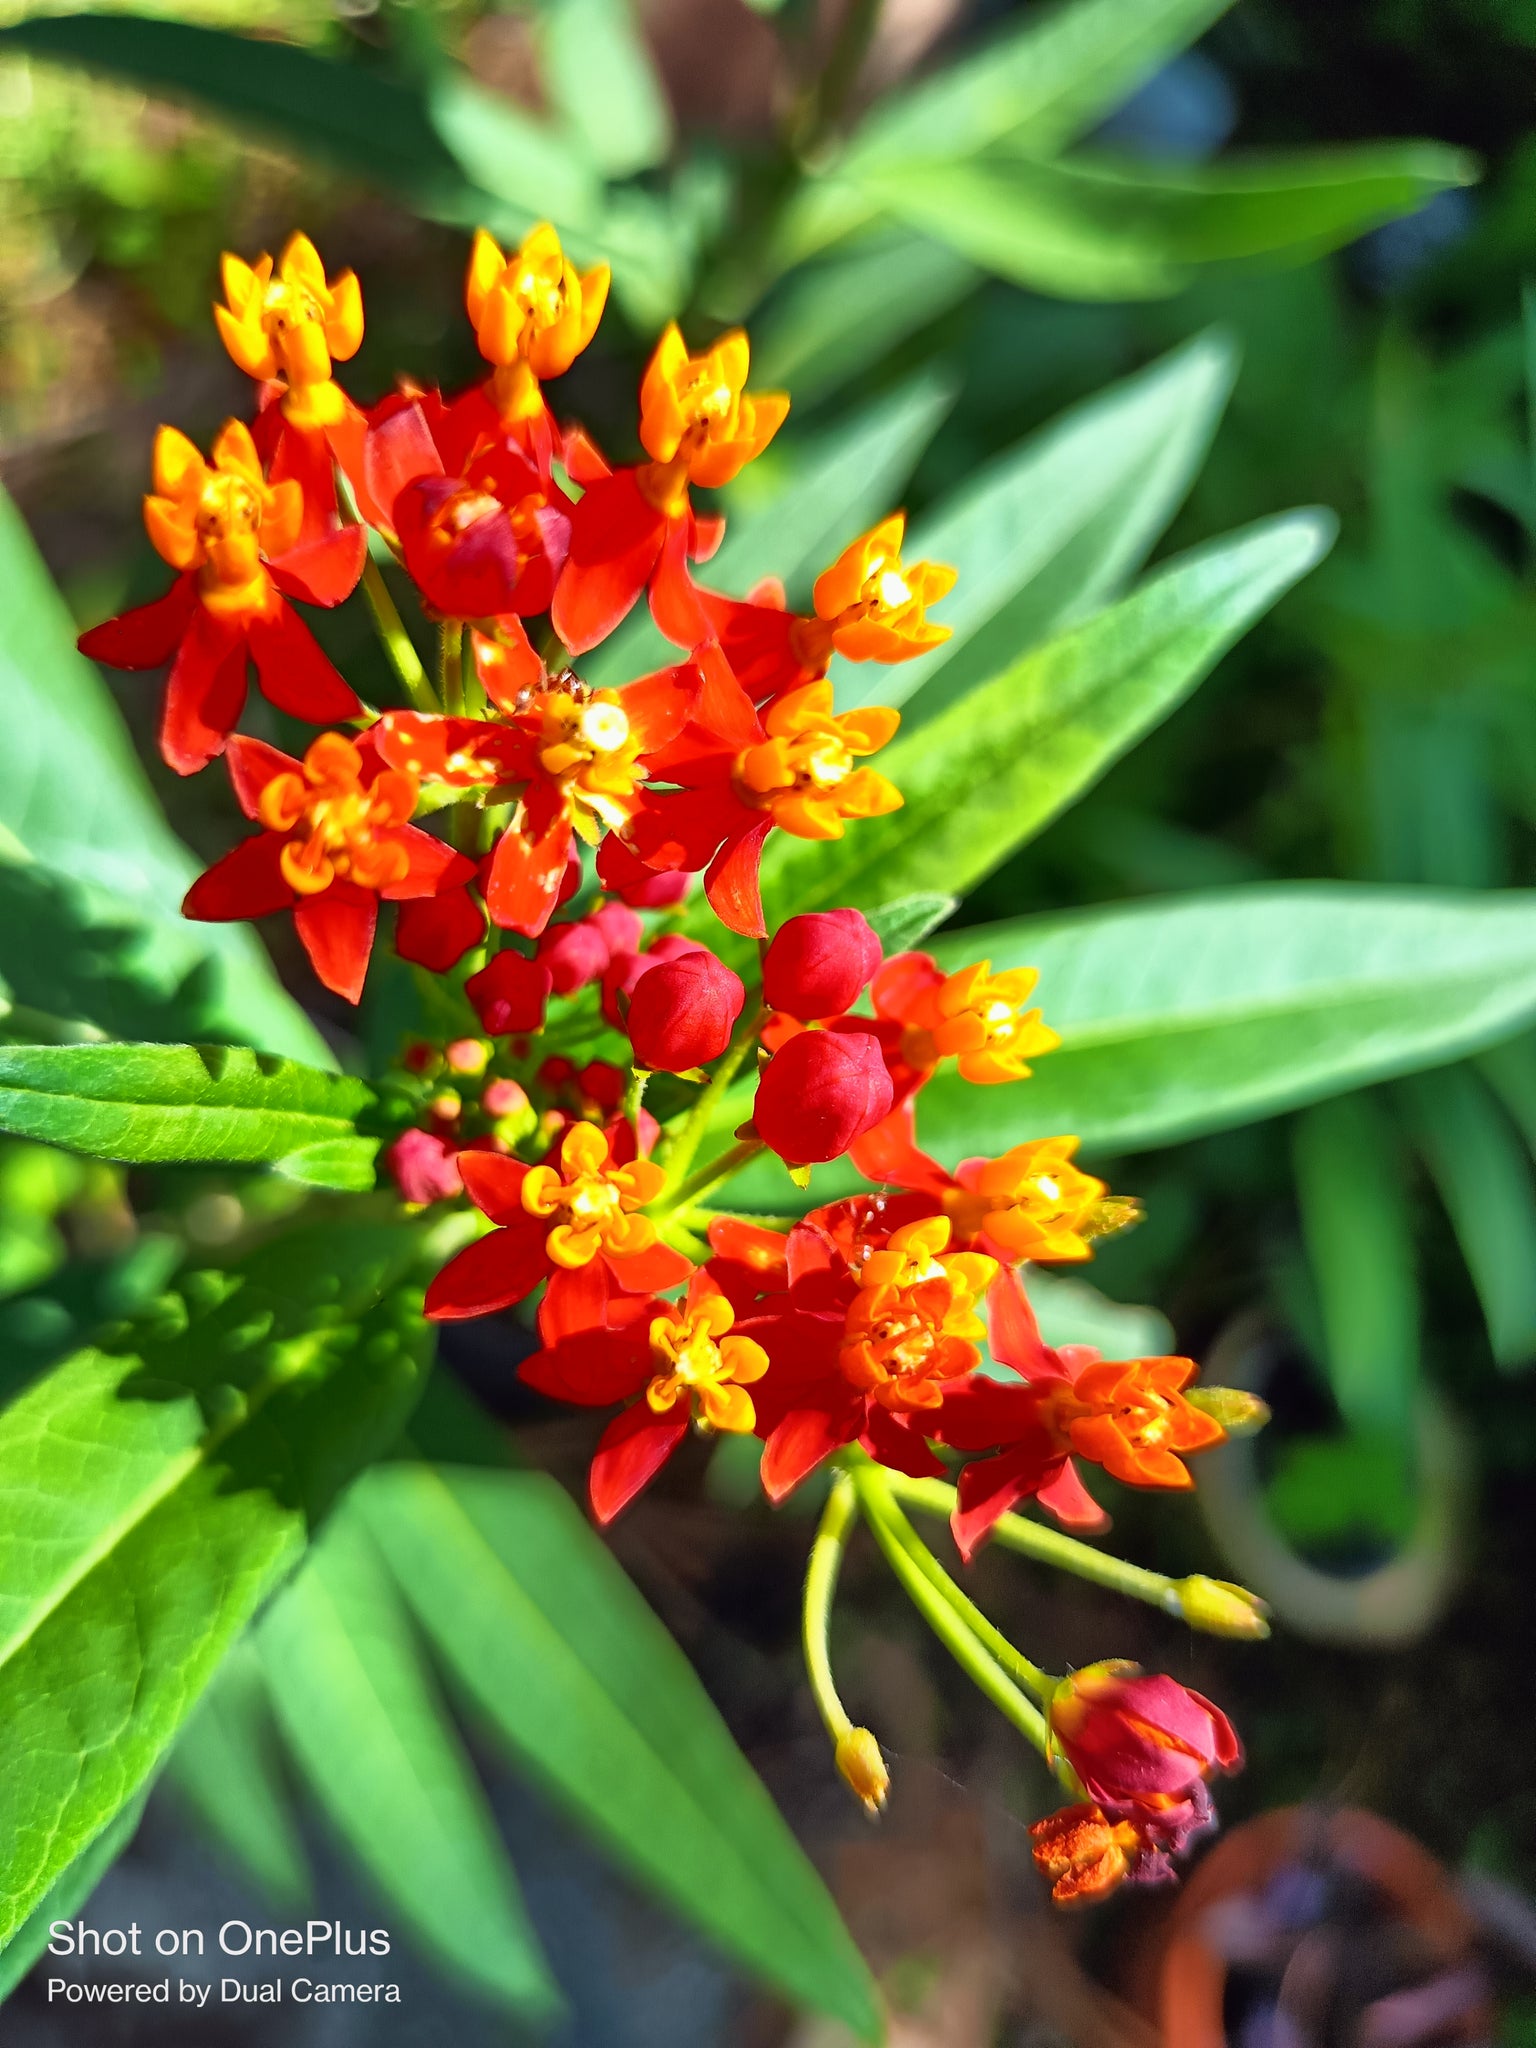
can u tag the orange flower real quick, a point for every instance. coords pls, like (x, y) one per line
(1033, 1203)
(1084, 1853)
(294, 323)
(980, 1018)
(698, 423)
(1131, 1417)
(869, 608)
(590, 1200)
(701, 1364)
(533, 313)
(912, 1323)
(220, 517)
(802, 773)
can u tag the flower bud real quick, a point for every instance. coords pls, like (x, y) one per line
(423, 1167)
(574, 954)
(863, 1768)
(624, 971)
(818, 963)
(1237, 1412)
(683, 1011)
(505, 1098)
(509, 994)
(468, 1056)
(1222, 1608)
(820, 1091)
(1133, 1736)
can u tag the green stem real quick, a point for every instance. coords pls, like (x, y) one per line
(829, 97)
(821, 1575)
(881, 1513)
(450, 665)
(933, 1497)
(720, 1168)
(676, 1151)
(397, 643)
(634, 1096)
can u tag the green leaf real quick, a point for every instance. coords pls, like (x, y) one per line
(362, 1717)
(906, 923)
(225, 1767)
(1350, 1184)
(1069, 1311)
(551, 1641)
(67, 1895)
(355, 117)
(156, 1486)
(829, 321)
(1204, 1011)
(1038, 84)
(600, 75)
(73, 796)
(821, 494)
(188, 1102)
(1052, 529)
(501, 150)
(1484, 1176)
(993, 769)
(1093, 229)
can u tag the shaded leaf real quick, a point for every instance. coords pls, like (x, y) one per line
(188, 1102)
(225, 1767)
(362, 1717)
(156, 1486)
(557, 1649)
(600, 75)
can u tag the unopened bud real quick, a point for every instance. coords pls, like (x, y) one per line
(446, 1105)
(863, 1768)
(1222, 1609)
(468, 1055)
(505, 1098)
(1239, 1413)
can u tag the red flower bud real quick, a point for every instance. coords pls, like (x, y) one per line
(818, 963)
(682, 1012)
(625, 969)
(574, 954)
(628, 876)
(424, 1167)
(509, 994)
(1131, 1735)
(819, 1092)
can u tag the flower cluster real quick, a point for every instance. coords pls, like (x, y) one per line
(612, 1054)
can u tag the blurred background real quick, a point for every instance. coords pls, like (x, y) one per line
(1369, 1264)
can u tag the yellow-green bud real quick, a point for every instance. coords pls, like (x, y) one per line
(1239, 1413)
(863, 1768)
(1221, 1608)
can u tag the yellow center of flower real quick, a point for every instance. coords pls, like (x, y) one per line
(983, 1020)
(804, 772)
(586, 745)
(912, 1325)
(589, 1200)
(220, 517)
(339, 829)
(700, 1363)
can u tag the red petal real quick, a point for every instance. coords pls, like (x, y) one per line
(675, 604)
(801, 1441)
(322, 571)
(724, 706)
(705, 535)
(630, 1452)
(650, 1272)
(398, 449)
(731, 882)
(494, 1183)
(336, 930)
(616, 538)
(247, 882)
(205, 694)
(981, 1413)
(507, 665)
(490, 1274)
(433, 865)
(1016, 1337)
(900, 1445)
(524, 883)
(146, 636)
(888, 1154)
(475, 576)
(252, 765)
(989, 1488)
(302, 455)
(437, 931)
(295, 674)
(509, 994)
(575, 1301)
(1070, 1502)
(584, 461)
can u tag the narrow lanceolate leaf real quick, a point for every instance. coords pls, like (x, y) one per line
(187, 1102)
(559, 1652)
(907, 922)
(74, 798)
(1100, 229)
(360, 1713)
(1351, 1189)
(225, 1767)
(1211, 1010)
(993, 769)
(154, 1488)
(1483, 1173)
(1054, 528)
